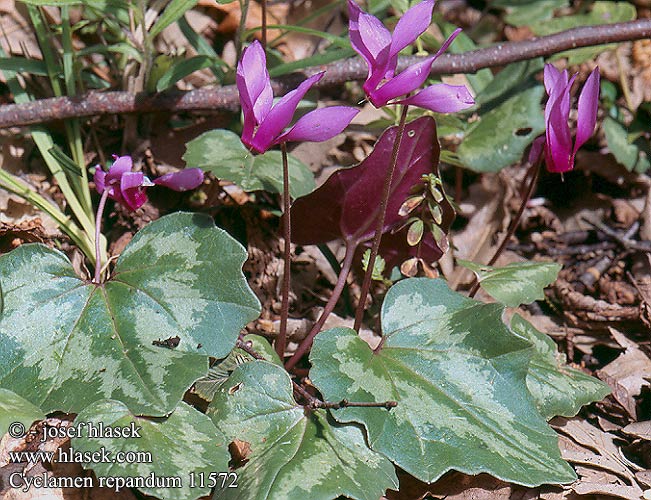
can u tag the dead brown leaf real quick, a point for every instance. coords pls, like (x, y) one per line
(627, 374)
(599, 463)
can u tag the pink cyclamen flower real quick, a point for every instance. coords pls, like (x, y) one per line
(128, 188)
(558, 148)
(264, 123)
(380, 49)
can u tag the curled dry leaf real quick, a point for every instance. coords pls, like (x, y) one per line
(600, 465)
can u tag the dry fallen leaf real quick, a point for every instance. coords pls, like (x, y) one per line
(599, 463)
(627, 374)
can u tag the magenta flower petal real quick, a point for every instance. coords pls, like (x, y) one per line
(448, 42)
(320, 124)
(587, 109)
(132, 189)
(253, 81)
(99, 177)
(368, 36)
(254, 87)
(121, 165)
(558, 147)
(536, 149)
(184, 180)
(561, 93)
(551, 78)
(558, 152)
(442, 98)
(407, 81)
(280, 116)
(411, 25)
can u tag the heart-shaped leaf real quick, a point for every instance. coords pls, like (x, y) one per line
(346, 206)
(516, 283)
(65, 342)
(222, 153)
(458, 375)
(13, 408)
(168, 448)
(291, 454)
(508, 128)
(559, 390)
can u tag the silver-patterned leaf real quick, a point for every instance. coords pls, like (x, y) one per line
(13, 408)
(293, 455)
(65, 342)
(559, 390)
(458, 375)
(169, 449)
(516, 283)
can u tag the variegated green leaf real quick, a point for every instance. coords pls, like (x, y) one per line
(186, 441)
(207, 386)
(459, 377)
(222, 153)
(516, 283)
(557, 388)
(293, 454)
(13, 408)
(65, 342)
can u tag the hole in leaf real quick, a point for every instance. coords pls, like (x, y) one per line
(240, 451)
(234, 389)
(411, 133)
(521, 132)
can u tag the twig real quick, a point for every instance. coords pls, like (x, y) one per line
(226, 98)
(344, 403)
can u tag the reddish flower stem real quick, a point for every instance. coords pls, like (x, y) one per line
(281, 340)
(98, 227)
(329, 307)
(263, 33)
(533, 172)
(384, 201)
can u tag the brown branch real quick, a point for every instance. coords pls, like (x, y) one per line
(226, 98)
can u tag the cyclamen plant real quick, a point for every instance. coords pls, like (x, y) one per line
(380, 50)
(263, 127)
(128, 188)
(556, 147)
(455, 387)
(557, 143)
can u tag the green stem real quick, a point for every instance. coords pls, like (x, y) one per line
(74, 131)
(263, 36)
(241, 28)
(44, 142)
(44, 35)
(17, 187)
(98, 228)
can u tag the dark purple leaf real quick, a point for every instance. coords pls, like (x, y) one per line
(347, 205)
